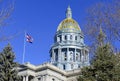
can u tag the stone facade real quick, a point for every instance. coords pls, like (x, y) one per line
(46, 72)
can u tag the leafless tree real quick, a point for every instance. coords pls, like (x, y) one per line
(6, 9)
(105, 15)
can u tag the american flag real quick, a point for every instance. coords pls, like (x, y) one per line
(29, 38)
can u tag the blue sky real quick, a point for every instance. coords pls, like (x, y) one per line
(40, 18)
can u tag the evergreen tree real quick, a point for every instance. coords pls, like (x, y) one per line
(117, 67)
(104, 66)
(8, 70)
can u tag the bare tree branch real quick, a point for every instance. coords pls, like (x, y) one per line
(107, 16)
(5, 13)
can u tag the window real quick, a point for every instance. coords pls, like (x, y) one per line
(39, 79)
(75, 37)
(56, 54)
(65, 56)
(71, 56)
(64, 67)
(86, 55)
(65, 37)
(80, 57)
(60, 38)
(76, 57)
(70, 36)
(71, 66)
(53, 79)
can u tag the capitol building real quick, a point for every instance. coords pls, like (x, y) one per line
(67, 55)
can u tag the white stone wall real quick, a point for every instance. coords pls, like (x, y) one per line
(47, 72)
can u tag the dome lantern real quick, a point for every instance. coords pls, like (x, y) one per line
(68, 12)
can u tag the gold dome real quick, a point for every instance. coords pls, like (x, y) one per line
(68, 25)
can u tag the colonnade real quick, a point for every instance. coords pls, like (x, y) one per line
(82, 55)
(69, 58)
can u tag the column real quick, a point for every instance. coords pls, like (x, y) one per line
(43, 78)
(82, 56)
(59, 54)
(23, 78)
(79, 55)
(58, 39)
(47, 78)
(59, 57)
(27, 78)
(53, 55)
(75, 55)
(68, 37)
(67, 54)
(62, 37)
(68, 59)
(87, 56)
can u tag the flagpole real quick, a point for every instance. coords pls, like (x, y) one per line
(24, 48)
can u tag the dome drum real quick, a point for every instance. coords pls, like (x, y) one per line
(69, 51)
